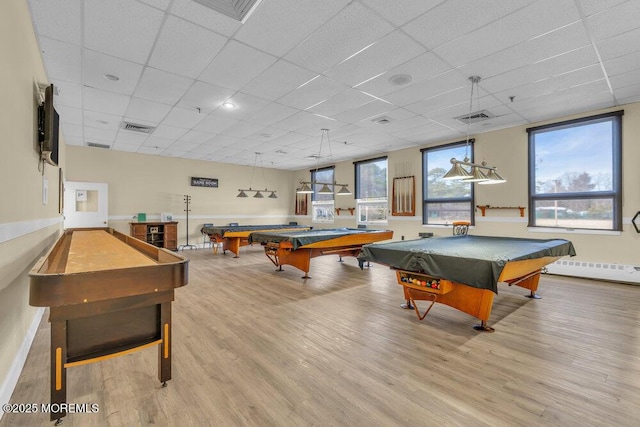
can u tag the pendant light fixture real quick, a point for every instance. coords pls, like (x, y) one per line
(477, 172)
(258, 193)
(306, 187)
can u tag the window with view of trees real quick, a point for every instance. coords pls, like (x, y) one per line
(445, 201)
(575, 173)
(322, 204)
(371, 191)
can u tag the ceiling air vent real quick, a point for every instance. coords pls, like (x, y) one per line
(236, 9)
(96, 145)
(384, 120)
(478, 116)
(133, 127)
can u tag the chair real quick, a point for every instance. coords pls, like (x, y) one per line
(460, 228)
(205, 237)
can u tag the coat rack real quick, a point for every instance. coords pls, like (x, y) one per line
(187, 200)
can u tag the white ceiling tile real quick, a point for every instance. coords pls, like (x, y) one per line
(160, 86)
(197, 13)
(183, 117)
(278, 80)
(131, 138)
(272, 113)
(101, 120)
(215, 124)
(242, 129)
(142, 109)
(70, 114)
(509, 30)
(420, 68)
(317, 90)
(546, 48)
(370, 109)
(58, 20)
(183, 146)
(454, 18)
(402, 11)
(428, 88)
(69, 94)
(244, 106)
(341, 102)
(184, 48)
(205, 96)
(160, 4)
(120, 146)
(556, 65)
(158, 142)
(99, 135)
(73, 130)
(107, 102)
(96, 65)
(172, 132)
(620, 45)
(196, 136)
(236, 65)
(63, 60)
(121, 28)
(623, 64)
(299, 17)
(154, 150)
(591, 7)
(616, 20)
(351, 30)
(392, 50)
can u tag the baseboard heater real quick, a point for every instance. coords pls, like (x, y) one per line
(596, 270)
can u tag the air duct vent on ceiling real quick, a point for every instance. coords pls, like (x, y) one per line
(478, 116)
(96, 145)
(384, 120)
(133, 127)
(236, 9)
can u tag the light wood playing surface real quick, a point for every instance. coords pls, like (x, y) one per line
(94, 250)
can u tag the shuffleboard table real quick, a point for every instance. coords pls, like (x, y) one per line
(109, 294)
(233, 237)
(296, 248)
(463, 271)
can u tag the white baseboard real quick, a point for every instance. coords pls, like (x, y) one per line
(596, 270)
(18, 362)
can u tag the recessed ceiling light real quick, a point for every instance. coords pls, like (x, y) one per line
(228, 105)
(111, 77)
(399, 79)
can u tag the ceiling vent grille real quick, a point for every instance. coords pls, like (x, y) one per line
(478, 116)
(133, 127)
(236, 9)
(96, 145)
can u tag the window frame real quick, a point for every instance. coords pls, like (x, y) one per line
(371, 202)
(615, 194)
(318, 206)
(425, 183)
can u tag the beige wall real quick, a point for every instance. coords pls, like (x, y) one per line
(157, 184)
(27, 227)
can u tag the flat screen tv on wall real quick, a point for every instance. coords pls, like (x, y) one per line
(48, 128)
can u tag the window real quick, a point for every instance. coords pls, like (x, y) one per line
(323, 207)
(371, 191)
(445, 201)
(575, 173)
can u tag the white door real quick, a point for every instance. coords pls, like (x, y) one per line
(85, 204)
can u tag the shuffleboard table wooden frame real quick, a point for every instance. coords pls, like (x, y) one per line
(236, 236)
(281, 250)
(108, 294)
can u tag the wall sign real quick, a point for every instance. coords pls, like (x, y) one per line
(204, 182)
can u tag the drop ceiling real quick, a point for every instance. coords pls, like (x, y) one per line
(380, 75)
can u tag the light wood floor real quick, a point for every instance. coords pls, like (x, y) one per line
(257, 347)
